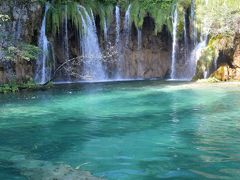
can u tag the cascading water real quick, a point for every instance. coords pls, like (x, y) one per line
(118, 43)
(65, 40)
(174, 44)
(189, 70)
(185, 37)
(199, 46)
(193, 24)
(196, 54)
(127, 24)
(92, 56)
(117, 16)
(43, 73)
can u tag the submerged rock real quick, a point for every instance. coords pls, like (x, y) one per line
(42, 170)
(39, 170)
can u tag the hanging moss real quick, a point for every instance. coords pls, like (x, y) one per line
(159, 10)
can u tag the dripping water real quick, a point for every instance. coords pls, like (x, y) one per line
(139, 38)
(42, 71)
(185, 37)
(117, 16)
(105, 29)
(127, 24)
(118, 44)
(65, 42)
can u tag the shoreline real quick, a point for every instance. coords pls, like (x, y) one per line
(203, 83)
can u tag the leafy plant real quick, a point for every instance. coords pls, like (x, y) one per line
(23, 51)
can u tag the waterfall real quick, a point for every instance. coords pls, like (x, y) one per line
(118, 43)
(185, 37)
(65, 39)
(139, 38)
(65, 42)
(193, 24)
(92, 56)
(127, 24)
(189, 58)
(196, 54)
(174, 44)
(198, 46)
(105, 30)
(117, 16)
(42, 71)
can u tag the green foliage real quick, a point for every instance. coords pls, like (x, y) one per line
(22, 51)
(218, 16)
(13, 87)
(160, 10)
(7, 88)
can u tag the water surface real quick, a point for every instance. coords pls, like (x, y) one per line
(126, 130)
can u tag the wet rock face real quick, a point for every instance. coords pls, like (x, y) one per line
(150, 58)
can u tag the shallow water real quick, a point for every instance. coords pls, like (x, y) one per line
(126, 130)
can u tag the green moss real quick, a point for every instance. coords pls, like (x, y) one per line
(160, 10)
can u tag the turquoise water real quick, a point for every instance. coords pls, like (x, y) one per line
(129, 130)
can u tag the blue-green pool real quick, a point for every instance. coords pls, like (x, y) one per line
(126, 130)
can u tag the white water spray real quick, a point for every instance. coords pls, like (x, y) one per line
(127, 24)
(92, 56)
(117, 16)
(105, 30)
